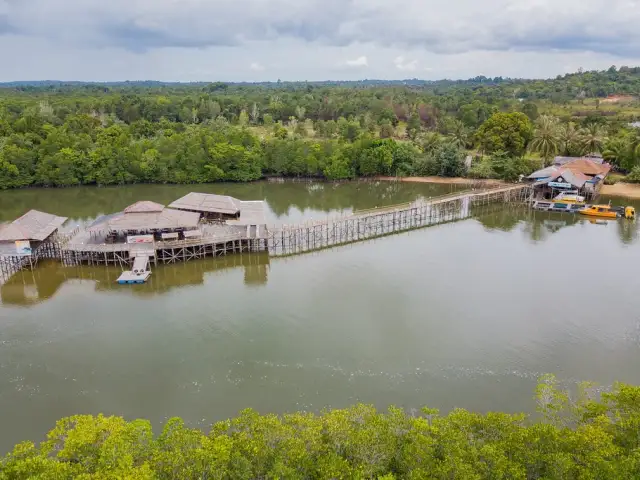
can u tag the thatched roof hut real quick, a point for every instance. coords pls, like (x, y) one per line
(146, 216)
(33, 226)
(208, 203)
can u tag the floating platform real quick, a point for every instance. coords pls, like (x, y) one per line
(131, 277)
(551, 206)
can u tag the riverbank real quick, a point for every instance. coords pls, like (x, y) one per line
(445, 180)
(629, 190)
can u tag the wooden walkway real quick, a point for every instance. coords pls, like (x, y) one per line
(75, 248)
(367, 224)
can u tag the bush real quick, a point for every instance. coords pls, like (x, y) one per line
(482, 170)
(634, 176)
(586, 438)
(613, 178)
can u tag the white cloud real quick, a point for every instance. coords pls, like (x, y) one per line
(256, 67)
(361, 61)
(301, 39)
(406, 65)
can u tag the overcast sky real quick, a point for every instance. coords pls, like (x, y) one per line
(253, 40)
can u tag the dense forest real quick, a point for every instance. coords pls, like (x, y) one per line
(573, 438)
(61, 134)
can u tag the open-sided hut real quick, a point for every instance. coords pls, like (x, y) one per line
(27, 239)
(210, 206)
(145, 218)
(234, 212)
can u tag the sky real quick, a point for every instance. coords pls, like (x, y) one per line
(261, 40)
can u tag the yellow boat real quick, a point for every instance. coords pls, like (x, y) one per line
(607, 211)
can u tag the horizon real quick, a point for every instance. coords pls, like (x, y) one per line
(327, 80)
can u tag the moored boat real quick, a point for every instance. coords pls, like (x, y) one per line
(568, 197)
(607, 211)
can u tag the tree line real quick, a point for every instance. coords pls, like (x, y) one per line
(92, 134)
(574, 437)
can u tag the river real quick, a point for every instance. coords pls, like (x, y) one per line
(467, 314)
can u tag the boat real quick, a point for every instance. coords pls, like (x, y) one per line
(568, 197)
(607, 211)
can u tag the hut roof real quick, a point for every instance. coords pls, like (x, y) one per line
(595, 158)
(33, 225)
(142, 219)
(545, 172)
(251, 213)
(587, 166)
(144, 206)
(551, 174)
(207, 202)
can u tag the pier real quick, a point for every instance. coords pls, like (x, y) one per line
(378, 222)
(152, 234)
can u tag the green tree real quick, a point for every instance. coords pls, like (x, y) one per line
(575, 436)
(530, 109)
(507, 132)
(546, 137)
(570, 140)
(386, 129)
(593, 138)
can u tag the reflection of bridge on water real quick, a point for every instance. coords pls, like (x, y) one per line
(378, 222)
(38, 284)
(29, 287)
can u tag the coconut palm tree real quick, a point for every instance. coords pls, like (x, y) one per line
(459, 133)
(546, 137)
(593, 137)
(570, 140)
(617, 151)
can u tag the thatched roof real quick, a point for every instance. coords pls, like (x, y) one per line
(33, 225)
(251, 213)
(145, 216)
(144, 206)
(207, 202)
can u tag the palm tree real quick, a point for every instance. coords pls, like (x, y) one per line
(459, 133)
(617, 151)
(429, 141)
(593, 137)
(546, 137)
(570, 140)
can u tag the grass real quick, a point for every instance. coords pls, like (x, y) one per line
(613, 178)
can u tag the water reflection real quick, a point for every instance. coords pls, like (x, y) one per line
(288, 203)
(28, 288)
(82, 204)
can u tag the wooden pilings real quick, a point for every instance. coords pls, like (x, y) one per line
(291, 240)
(284, 240)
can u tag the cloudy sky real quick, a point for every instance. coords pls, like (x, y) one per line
(252, 40)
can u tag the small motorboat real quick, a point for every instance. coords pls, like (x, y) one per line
(607, 211)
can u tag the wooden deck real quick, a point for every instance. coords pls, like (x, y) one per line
(80, 247)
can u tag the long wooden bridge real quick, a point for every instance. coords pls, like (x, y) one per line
(73, 249)
(377, 222)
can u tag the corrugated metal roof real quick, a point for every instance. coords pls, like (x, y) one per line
(588, 167)
(545, 172)
(576, 179)
(595, 158)
(207, 202)
(33, 225)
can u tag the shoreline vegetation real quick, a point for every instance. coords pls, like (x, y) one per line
(583, 436)
(57, 134)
